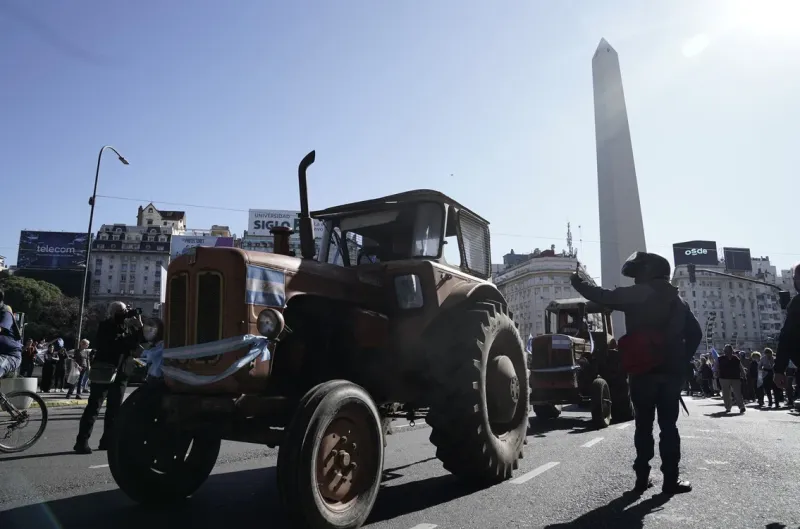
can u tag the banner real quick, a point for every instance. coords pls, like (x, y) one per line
(51, 249)
(183, 243)
(263, 220)
(703, 253)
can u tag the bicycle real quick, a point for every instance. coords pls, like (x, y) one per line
(14, 420)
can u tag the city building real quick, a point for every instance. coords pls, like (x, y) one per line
(2, 263)
(533, 283)
(744, 314)
(152, 216)
(621, 226)
(128, 263)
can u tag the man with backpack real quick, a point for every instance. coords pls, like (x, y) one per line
(10, 336)
(662, 336)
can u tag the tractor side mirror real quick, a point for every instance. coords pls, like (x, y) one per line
(784, 297)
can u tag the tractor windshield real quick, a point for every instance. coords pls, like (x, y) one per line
(411, 231)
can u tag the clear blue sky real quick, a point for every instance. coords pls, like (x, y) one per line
(215, 102)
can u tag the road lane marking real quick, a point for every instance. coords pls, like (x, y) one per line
(99, 466)
(425, 526)
(533, 473)
(714, 462)
(592, 442)
(695, 437)
(623, 426)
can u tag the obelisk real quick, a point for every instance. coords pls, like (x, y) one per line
(621, 226)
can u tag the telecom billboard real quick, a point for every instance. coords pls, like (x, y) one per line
(51, 249)
(702, 253)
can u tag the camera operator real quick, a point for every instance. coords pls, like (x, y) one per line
(118, 339)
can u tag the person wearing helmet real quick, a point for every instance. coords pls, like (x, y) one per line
(662, 335)
(10, 340)
(789, 339)
(118, 339)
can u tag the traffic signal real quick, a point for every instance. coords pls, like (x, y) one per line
(692, 275)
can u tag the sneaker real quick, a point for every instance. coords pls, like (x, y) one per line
(678, 486)
(742, 410)
(727, 410)
(82, 448)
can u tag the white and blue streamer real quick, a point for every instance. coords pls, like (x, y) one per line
(265, 287)
(259, 346)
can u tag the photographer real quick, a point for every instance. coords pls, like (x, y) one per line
(118, 339)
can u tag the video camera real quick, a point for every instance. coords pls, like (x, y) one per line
(132, 313)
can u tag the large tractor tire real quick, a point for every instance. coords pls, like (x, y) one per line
(601, 403)
(479, 413)
(331, 461)
(151, 461)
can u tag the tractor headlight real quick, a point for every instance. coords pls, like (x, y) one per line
(270, 323)
(408, 289)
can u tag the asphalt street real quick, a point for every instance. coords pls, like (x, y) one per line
(744, 469)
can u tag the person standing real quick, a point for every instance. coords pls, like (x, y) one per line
(118, 339)
(789, 339)
(81, 358)
(662, 335)
(28, 356)
(48, 369)
(730, 378)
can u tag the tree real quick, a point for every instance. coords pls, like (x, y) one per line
(29, 295)
(50, 314)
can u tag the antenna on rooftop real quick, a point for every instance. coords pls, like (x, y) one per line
(569, 240)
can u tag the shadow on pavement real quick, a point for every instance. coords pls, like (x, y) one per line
(539, 427)
(36, 456)
(398, 500)
(615, 515)
(247, 498)
(392, 473)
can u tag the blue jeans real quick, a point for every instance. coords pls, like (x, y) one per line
(8, 364)
(651, 394)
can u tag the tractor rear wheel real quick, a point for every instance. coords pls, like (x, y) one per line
(479, 414)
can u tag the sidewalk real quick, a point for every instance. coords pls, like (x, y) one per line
(58, 399)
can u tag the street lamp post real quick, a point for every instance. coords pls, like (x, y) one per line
(89, 236)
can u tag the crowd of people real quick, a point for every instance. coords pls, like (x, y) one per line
(741, 377)
(62, 369)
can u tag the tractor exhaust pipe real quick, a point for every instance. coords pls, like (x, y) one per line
(307, 248)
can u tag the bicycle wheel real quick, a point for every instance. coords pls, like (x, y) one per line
(20, 429)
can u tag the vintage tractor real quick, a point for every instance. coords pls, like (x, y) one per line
(577, 362)
(315, 353)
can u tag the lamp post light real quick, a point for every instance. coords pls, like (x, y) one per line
(89, 236)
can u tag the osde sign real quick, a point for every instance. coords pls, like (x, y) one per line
(696, 251)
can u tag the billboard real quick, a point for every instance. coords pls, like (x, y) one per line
(695, 252)
(51, 249)
(263, 220)
(738, 259)
(181, 244)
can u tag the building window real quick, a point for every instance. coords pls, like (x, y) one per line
(149, 221)
(149, 210)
